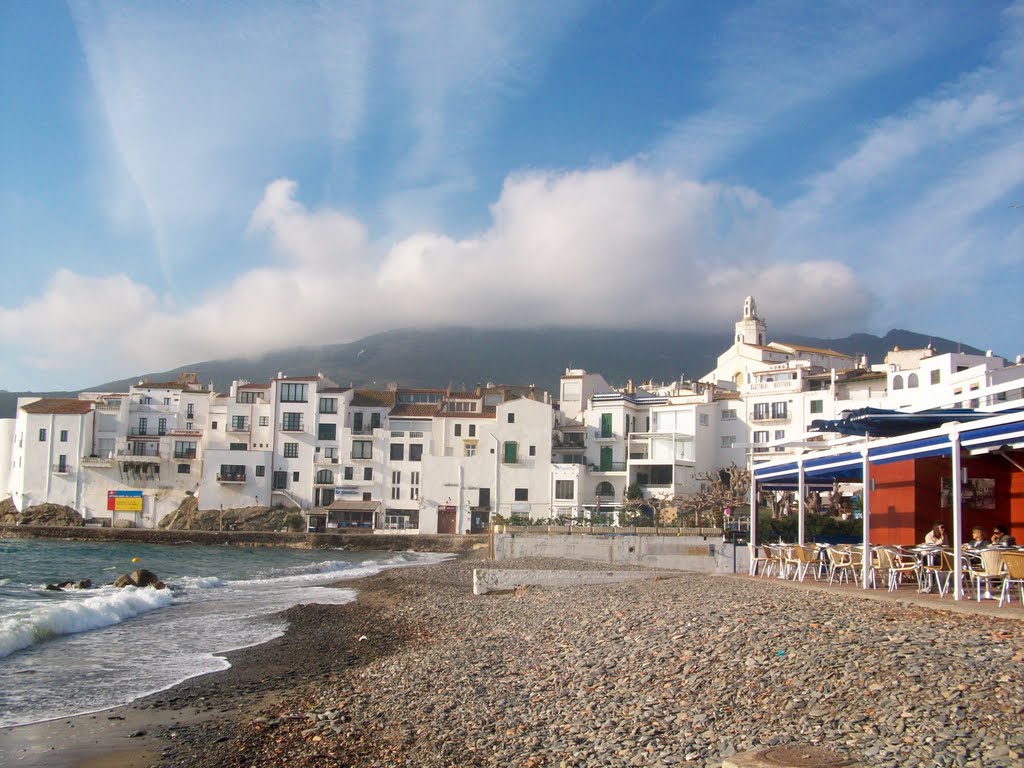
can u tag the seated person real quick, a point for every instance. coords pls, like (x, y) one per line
(978, 539)
(936, 536)
(1002, 538)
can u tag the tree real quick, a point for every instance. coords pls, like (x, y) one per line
(729, 487)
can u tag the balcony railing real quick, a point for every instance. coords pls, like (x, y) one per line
(609, 466)
(231, 477)
(290, 426)
(238, 426)
(139, 458)
(184, 455)
(60, 469)
(320, 459)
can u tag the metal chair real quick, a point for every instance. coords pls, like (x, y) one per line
(1014, 562)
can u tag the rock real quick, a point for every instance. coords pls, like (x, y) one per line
(139, 578)
(62, 585)
(50, 514)
(188, 517)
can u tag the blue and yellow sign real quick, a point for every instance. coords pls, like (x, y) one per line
(124, 501)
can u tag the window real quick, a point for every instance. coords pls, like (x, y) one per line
(357, 422)
(415, 452)
(511, 452)
(397, 452)
(472, 430)
(469, 449)
(184, 449)
(295, 476)
(533, 450)
(292, 393)
(261, 470)
(368, 473)
(414, 480)
(761, 410)
(760, 437)
(728, 441)
(328, 405)
(213, 425)
(897, 382)
(458, 430)
(348, 473)
(396, 492)
(374, 421)
(264, 421)
(331, 453)
(147, 400)
(280, 479)
(912, 381)
(239, 423)
(817, 406)
(245, 396)
(704, 420)
(565, 489)
(606, 425)
(367, 496)
(327, 432)
(511, 418)
(362, 449)
(780, 434)
(238, 446)
(396, 478)
(462, 406)
(184, 469)
(291, 422)
(728, 414)
(143, 425)
(522, 494)
(167, 401)
(936, 376)
(64, 435)
(779, 410)
(190, 411)
(161, 426)
(232, 473)
(291, 450)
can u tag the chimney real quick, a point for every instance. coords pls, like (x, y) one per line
(477, 390)
(280, 374)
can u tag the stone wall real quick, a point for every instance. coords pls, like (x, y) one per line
(683, 553)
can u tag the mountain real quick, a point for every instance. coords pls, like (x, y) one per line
(463, 357)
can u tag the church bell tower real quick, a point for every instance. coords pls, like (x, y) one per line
(751, 329)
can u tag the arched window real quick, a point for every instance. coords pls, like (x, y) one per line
(911, 381)
(325, 477)
(605, 488)
(897, 382)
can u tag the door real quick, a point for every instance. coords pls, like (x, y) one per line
(446, 519)
(606, 458)
(481, 520)
(485, 498)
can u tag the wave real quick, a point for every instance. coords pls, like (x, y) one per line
(69, 617)
(327, 571)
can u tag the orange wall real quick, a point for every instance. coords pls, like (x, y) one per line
(906, 501)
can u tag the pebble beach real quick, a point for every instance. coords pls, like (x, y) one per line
(681, 671)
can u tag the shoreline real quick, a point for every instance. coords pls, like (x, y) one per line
(387, 542)
(681, 671)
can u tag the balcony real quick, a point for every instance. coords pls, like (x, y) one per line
(362, 430)
(766, 418)
(291, 426)
(97, 461)
(609, 466)
(60, 469)
(146, 433)
(327, 460)
(130, 457)
(231, 477)
(184, 455)
(242, 426)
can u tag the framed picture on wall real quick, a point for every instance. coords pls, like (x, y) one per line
(976, 493)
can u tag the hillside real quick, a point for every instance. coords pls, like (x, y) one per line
(462, 357)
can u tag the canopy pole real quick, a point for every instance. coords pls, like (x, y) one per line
(866, 514)
(753, 504)
(801, 505)
(958, 587)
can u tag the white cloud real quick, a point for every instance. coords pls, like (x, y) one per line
(608, 247)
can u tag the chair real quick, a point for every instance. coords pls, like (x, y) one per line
(803, 558)
(776, 561)
(941, 569)
(840, 561)
(896, 565)
(991, 570)
(755, 560)
(1014, 562)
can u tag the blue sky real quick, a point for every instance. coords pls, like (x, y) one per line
(182, 181)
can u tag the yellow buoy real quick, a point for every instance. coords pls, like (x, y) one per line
(135, 559)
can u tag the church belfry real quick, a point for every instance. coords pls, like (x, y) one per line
(751, 329)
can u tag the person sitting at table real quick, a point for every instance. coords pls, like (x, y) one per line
(978, 539)
(1002, 538)
(936, 536)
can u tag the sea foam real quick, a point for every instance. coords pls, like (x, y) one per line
(69, 617)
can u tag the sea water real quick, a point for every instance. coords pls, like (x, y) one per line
(83, 650)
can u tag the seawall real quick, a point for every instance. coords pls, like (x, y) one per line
(349, 541)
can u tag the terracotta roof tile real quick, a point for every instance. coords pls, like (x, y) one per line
(58, 405)
(423, 410)
(373, 398)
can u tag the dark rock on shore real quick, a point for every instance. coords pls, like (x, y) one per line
(188, 517)
(139, 578)
(41, 514)
(62, 585)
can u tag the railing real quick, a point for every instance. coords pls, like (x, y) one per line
(775, 386)
(325, 459)
(362, 431)
(771, 417)
(291, 427)
(132, 456)
(184, 455)
(147, 432)
(584, 529)
(60, 469)
(231, 477)
(609, 466)
(238, 427)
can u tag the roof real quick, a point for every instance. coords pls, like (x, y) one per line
(254, 386)
(334, 390)
(815, 350)
(58, 405)
(423, 410)
(373, 398)
(488, 413)
(296, 378)
(355, 506)
(162, 385)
